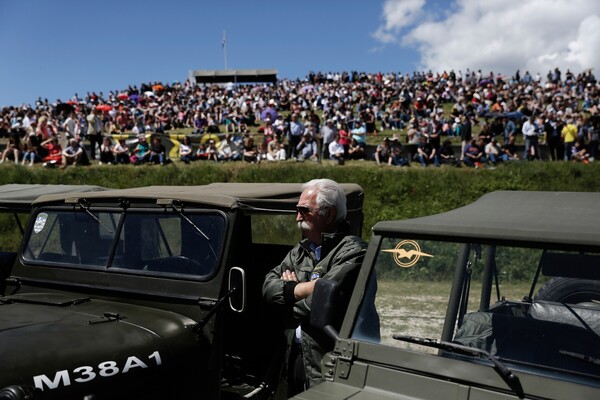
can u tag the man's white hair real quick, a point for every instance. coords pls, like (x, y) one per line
(329, 194)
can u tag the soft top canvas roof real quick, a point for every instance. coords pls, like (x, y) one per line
(19, 197)
(561, 218)
(225, 195)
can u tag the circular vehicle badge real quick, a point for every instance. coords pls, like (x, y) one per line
(407, 253)
(40, 222)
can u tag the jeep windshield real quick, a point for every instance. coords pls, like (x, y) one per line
(151, 242)
(532, 308)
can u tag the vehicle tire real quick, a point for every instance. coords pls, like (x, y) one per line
(569, 290)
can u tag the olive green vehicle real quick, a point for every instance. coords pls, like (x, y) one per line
(499, 299)
(148, 293)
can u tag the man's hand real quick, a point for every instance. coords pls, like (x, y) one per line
(289, 276)
(303, 289)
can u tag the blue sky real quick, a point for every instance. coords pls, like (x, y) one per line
(54, 49)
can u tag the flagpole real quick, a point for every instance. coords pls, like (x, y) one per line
(224, 45)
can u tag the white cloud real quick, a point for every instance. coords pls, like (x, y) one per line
(397, 14)
(534, 35)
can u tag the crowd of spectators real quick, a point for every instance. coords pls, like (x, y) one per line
(324, 116)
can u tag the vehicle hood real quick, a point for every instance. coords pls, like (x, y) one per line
(44, 335)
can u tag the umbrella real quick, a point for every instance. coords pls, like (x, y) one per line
(104, 107)
(134, 97)
(149, 94)
(157, 88)
(307, 88)
(122, 96)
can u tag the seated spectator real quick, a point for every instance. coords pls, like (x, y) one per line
(426, 154)
(250, 151)
(275, 150)
(72, 154)
(186, 152)
(212, 153)
(336, 150)
(397, 153)
(106, 153)
(447, 154)
(121, 152)
(383, 153)
(493, 152)
(12, 150)
(53, 152)
(157, 152)
(229, 149)
(29, 153)
(509, 150)
(141, 151)
(473, 155)
(356, 150)
(307, 148)
(579, 152)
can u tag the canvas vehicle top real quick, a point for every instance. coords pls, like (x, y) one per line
(150, 292)
(498, 299)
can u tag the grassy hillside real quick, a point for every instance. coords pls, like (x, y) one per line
(390, 192)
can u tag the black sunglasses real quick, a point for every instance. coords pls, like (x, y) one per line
(303, 210)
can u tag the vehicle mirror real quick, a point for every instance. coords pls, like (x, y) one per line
(237, 281)
(325, 299)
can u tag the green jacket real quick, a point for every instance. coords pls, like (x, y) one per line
(341, 257)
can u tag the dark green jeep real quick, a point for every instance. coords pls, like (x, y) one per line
(150, 292)
(499, 299)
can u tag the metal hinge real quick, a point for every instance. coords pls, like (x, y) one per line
(345, 349)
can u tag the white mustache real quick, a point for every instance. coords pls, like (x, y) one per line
(303, 225)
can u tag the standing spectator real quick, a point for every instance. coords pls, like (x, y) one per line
(94, 131)
(530, 132)
(510, 129)
(45, 129)
(328, 133)
(569, 134)
(297, 130)
(593, 138)
(71, 128)
(552, 137)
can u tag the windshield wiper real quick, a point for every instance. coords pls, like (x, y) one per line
(196, 228)
(505, 373)
(86, 208)
(590, 359)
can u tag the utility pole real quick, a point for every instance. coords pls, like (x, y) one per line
(224, 46)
